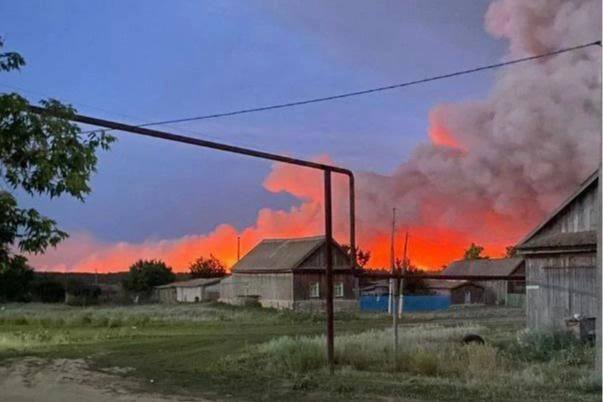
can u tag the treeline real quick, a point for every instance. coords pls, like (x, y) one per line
(20, 283)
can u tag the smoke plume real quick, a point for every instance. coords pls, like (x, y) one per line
(489, 172)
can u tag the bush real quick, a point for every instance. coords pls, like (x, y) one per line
(48, 291)
(81, 294)
(15, 279)
(545, 345)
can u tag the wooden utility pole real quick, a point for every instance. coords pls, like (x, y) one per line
(238, 248)
(396, 289)
(404, 270)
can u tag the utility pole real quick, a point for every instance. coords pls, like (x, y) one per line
(238, 248)
(404, 270)
(396, 289)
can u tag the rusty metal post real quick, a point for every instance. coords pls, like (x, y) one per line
(329, 272)
(352, 207)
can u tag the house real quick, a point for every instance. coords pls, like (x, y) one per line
(194, 290)
(459, 292)
(290, 274)
(495, 291)
(561, 262)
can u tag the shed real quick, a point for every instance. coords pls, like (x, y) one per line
(194, 290)
(495, 291)
(289, 273)
(459, 292)
(560, 255)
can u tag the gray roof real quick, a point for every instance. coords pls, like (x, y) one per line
(486, 266)
(280, 254)
(591, 180)
(193, 283)
(446, 284)
(573, 239)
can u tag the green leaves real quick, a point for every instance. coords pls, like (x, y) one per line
(40, 154)
(45, 154)
(10, 60)
(144, 275)
(25, 227)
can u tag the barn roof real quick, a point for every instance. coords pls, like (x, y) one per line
(192, 283)
(280, 254)
(573, 239)
(526, 242)
(486, 266)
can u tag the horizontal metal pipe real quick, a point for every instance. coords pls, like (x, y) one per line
(196, 141)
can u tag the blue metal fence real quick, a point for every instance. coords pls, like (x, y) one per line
(411, 303)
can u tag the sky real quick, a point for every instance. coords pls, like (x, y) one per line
(140, 61)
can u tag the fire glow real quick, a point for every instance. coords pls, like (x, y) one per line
(490, 172)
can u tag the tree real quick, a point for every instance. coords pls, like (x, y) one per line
(144, 275)
(48, 291)
(15, 278)
(510, 251)
(414, 285)
(362, 257)
(474, 252)
(39, 155)
(207, 268)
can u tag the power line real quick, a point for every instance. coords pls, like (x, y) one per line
(372, 90)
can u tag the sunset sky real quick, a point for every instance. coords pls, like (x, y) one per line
(155, 60)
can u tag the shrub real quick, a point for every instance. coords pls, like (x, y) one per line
(15, 278)
(81, 294)
(545, 345)
(48, 291)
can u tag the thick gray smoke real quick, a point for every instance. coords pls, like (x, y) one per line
(521, 150)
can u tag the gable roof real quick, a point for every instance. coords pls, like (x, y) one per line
(193, 283)
(586, 184)
(280, 254)
(486, 266)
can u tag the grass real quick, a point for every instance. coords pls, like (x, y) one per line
(257, 354)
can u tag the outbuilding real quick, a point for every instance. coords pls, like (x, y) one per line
(506, 291)
(459, 292)
(561, 262)
(290, 274)
(194, 290)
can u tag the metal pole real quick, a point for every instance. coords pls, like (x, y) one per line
(352, 207)
(329, 269)
(257, 154)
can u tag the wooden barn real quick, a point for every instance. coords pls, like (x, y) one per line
(508, 292)
(289, 274)
(561, 262)
(194, 290)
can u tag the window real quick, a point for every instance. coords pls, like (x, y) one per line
(315, 289)
(338, 290)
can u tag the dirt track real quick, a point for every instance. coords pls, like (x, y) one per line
(68, 380)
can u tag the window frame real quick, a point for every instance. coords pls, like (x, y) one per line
(338, 290)
(314, 291)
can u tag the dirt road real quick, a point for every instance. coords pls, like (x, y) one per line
(69, 380)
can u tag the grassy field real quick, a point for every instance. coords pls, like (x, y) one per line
(222, 352)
